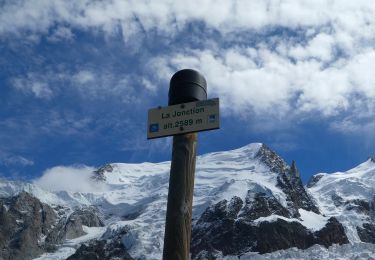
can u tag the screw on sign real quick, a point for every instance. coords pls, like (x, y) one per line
(187, 113)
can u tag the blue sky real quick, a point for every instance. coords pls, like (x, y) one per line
(77, 79)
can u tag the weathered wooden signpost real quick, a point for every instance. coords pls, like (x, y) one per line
(188, 112)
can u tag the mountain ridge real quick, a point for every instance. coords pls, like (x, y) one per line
(250, 190)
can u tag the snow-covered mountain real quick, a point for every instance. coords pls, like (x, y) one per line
(350, 197)
(245, 200)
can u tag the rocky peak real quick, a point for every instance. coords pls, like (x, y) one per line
(372, 158)
(288, 180)
(272, 160)
(297, 197)
(99, 173)
(293, 170)
(314, 180)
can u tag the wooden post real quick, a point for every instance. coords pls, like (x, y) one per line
(185, 86)
(180, 198)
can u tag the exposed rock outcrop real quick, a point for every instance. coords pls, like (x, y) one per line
(288, 180)
(29, 227)
(314, 180)
(71, 226)
(262, 205)
(272, 160)
(367, 232)
(219, 231)
(24, 224)
(236, 227)
(99, 173)
(108, 247)
(360, 206)
(332, 233)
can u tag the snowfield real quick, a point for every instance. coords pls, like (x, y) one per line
(333, 191)
(360, 251)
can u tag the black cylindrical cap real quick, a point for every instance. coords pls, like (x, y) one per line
(187, 86)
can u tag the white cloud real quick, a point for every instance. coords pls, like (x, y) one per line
(320, 47)
(67, 123)
(170, 16)
(84, 76)
(14, 160)
(149, 85)
(70, 178)
(319, 72)
(18, 160)
(34, 85)
(269, 83)
(98, 84)
(61, 33)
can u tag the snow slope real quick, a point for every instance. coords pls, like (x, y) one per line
(341, 194)
(359, 251)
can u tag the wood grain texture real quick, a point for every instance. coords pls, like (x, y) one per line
(180, 198)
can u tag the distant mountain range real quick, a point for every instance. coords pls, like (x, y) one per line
(248, 204)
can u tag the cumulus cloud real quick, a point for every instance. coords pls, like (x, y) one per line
(319, 66)
(267, 82)
(70, 178)
(169, 16)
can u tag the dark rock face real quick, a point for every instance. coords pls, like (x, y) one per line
(99, 173)
(29, 227)
(281, 235)
(297, 196)
(293, 170)
(372, 208)
(262, 205)
(228, 230)
(332, 233)
(109, 247)
(101, 250)
(211, 255)
(367, 233)
(86, 216)
(288, 180)
(220, 218)
(272, 160)
(358, 205)
(71, 226)
(222, 210)
(314, 180)
(337, 200)
(24, 224)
